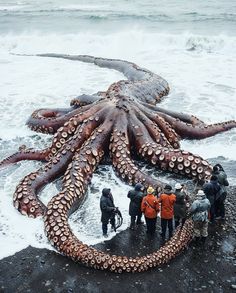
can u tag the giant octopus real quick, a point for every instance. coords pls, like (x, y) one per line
(123, 124)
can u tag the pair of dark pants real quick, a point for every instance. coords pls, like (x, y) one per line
(220, 208)
(151, 225)
(104, 225)
(177, 222)
(164, 224)
(136, 218)
(212, 212)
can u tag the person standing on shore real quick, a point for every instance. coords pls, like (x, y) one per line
(108, 210)
(167, 200)
(199, 212)
(219, 172)
(150, 208)
(211, 189)
(180, 206)
(135, 196)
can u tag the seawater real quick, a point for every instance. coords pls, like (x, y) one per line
(189, 43)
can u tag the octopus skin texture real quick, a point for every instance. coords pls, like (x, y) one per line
(122, 123)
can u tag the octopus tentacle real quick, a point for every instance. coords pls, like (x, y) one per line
(160, 126)
(192, 130)
(65, 132)
(60, 138)
(190, 119)
(198, 132)
(35, 181)
(25, 154)
(150, 90)
(50, 120)
(121, 159)
(75, 183)
(84, 100)
(176, 160)
(141, 136)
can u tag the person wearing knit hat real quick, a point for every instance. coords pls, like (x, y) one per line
(136, 195)
(199, 212)
(150, 208)
(167, 200)
(180, 206)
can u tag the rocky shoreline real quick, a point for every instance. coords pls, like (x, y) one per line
(211, 268)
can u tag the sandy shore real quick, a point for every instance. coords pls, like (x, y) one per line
(211, 268)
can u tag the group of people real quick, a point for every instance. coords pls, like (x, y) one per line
(173, 205)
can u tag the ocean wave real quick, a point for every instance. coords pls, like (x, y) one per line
(164, 41)
(112, 13)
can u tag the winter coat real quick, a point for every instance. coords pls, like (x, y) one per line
(107, 206)
(150, 206)
(136, 197)
(223, 181)
(199, 209)
(180, 209)
(211, 189)
(167, 201)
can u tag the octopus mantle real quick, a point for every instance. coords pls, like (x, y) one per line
(122, 123)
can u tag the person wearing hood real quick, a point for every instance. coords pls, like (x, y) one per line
(108, 210)
(135, 196)
(199, 212)
(180, 206)
(167, 200)
(211, 190)
(219, 172)
(150, 208)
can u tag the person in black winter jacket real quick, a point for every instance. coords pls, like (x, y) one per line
(108, 210)
(219, 172)
(136, 196)
(211, 190)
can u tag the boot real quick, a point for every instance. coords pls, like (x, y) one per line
(132, 227)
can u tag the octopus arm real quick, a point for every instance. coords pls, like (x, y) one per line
(129, 69)
(50, 120)
(65, 132)
(84, 99)
(198, 132)
(121, 159)
(176, 160)
(192, 130)
(190, 119)
(159, 129)
(25, 154)
(25, 197)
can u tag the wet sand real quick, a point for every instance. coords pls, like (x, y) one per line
(208, 268)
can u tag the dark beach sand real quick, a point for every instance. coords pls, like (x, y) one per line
(211, 268)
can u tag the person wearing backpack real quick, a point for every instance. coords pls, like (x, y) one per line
(150, 208)
(199, 213)
(167, 200)
(135, 196)
(180, 206)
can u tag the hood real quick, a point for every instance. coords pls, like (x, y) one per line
(138, 187)
(106, 192)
